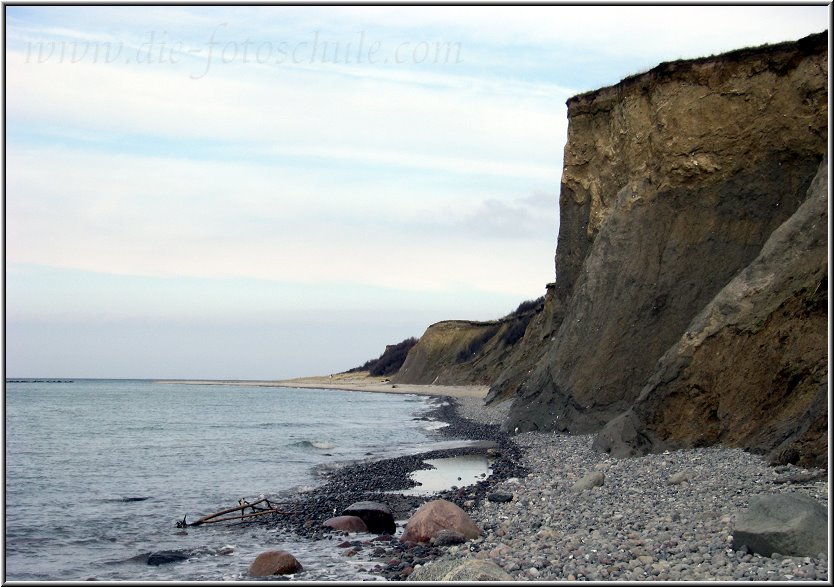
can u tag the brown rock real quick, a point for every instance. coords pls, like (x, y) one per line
(274, 562)
(346, 524)
(435, 516)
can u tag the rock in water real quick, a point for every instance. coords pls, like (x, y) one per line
(346, 524)
(378, 517)
(589, 481)
(167, 556)
(274, 562)
(790, 524)
(434, 516)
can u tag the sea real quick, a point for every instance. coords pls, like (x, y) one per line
(98, 472)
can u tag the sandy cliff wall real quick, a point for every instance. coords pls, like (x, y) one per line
(673, 182)
(459, 352)
(690, 301)
(751, 368)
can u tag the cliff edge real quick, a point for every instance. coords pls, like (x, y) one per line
(673, 182)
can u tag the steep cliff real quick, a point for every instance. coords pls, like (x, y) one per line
(751, 369)
(673, 182)
(690, 305)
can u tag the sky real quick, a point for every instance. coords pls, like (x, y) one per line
(269, 192)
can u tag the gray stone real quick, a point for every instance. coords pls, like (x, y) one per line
(433, 571)
(681, 477)
(790, 524)
(589, 481)
(447, 538)
(460, 570)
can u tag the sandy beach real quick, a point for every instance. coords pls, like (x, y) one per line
(356, 382)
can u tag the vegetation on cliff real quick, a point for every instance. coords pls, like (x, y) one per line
(390, 361)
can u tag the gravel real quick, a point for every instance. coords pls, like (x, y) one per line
(660, 517)
(636, 526)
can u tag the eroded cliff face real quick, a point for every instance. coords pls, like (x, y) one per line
(459, 352)
(691, 293)
(751, 369)
(673, 181)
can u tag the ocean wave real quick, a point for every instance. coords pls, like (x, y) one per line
(318, 444)
(434, 425)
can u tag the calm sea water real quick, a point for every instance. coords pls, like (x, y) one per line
(76, 451)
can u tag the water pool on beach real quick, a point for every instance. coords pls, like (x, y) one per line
(458, 471)
(98, 472)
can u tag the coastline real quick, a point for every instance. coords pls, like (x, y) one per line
(383, 480)
(638, 525)
(351, 382)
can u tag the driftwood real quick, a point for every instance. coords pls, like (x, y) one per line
(243, 505)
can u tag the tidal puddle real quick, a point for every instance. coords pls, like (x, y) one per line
(457, 471)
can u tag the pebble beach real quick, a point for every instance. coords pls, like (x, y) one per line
(638, 525)
(666, 517)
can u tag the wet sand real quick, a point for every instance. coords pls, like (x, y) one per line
(356, 382)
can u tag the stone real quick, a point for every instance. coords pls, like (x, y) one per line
(274, 562)
(434, 516)
(477, 570)
(681, 477)
(789, 524)
(589, 481)
(500, 496)
(457, 570)
(377, 516)
(167, 556)
(346, 524)
(447, 538)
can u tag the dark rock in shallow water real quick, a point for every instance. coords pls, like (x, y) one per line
(377, 516)
(163, 557)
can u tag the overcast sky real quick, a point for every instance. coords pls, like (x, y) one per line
(271, 192)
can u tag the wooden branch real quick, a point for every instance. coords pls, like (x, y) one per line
(227, 511)
(256, 511)
(237, 518)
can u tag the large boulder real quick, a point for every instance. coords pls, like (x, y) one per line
(346, 524)
(790, 524)
(434, 516)
(378, 517)
(274, 562)
(455, 570)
